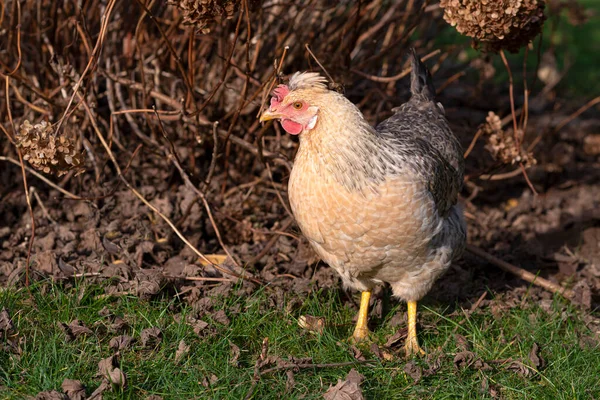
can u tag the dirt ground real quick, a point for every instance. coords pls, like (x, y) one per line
(110, 236)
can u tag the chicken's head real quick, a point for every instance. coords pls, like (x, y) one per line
(291, 103)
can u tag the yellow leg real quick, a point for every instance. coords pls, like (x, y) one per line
(412, 344)
(361, 331)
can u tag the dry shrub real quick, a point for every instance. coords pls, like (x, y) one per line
(498, 25)
(203, 13)
(501, 144)
(46, 151)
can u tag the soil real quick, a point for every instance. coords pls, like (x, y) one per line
(111, 237)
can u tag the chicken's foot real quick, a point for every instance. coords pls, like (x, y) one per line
(361, 331)
(412, 344)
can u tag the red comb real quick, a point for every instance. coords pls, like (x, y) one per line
(280, 92)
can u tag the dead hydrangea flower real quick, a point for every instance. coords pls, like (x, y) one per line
(501, 144)
(497, 24)
(46, 151)
(203, 12)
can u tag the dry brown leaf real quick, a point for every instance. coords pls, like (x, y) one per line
(312, 324)
(396, 338)
(75, 329)
(108, 370)
(221, 317)
(235, 354)
(151, 337)
(97, 394)
(73, 389)
(463, 359)
(413, 370)
(535, 357)
(51, 395)
(217, 259)
(182, 350)
(6, 324)
(348, 389)
(121, 342)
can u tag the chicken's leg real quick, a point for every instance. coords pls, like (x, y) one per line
(361, 331)
(412, 344)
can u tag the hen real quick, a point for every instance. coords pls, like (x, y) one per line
(376, 204)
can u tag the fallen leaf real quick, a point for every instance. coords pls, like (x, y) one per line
(74, 329)
(463, 359)
(6, 323)
(395, 339)
(461, 342)
(375, 350)
(536, 359)
(73, 389)
(208, 382)
(200, 327)
(235, 354)
(518, 367)
(348, 389)
(357, 353)
(582, 295)
(312, 324)
(217, 259)
(121, 342)
(481, 365)
(182, 350)
(413, 370)
(434, 362)
(290, 382)
(51, 395)
(97, 394)
(108, 370)
(118, 324)
(221, 317)
(151, 337)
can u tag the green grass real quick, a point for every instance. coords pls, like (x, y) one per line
(47, 358)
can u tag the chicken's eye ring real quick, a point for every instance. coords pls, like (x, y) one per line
(297, 105)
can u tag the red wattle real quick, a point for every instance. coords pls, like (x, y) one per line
(291, 127)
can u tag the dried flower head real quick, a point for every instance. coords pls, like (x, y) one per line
(501, 144)
(497, 24)
(47, 152)
(201, 13)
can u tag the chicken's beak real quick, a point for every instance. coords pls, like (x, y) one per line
(268, 115)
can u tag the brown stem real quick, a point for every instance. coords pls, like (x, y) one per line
(521, 273)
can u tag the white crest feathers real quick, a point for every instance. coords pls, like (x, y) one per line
(307, 80)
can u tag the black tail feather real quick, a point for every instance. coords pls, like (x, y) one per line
(421, 83)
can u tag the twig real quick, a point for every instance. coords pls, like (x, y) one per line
(199, 278)
(577, 113)
(318, 63)
(512, 100)
(24, 176)
(521, 273)
(42, 178)
(260, 361)
(172, 155)
(386, 79)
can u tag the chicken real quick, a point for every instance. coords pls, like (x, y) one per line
(379, 205)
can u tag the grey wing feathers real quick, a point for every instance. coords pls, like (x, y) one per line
(419, 135)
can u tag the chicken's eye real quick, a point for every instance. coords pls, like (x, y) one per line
(297, 105)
